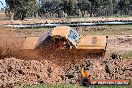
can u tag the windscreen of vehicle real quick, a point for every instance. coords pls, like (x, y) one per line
(73, 36)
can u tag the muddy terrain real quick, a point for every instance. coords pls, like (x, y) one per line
(45, 64)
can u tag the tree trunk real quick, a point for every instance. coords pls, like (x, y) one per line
(12, 16)
(91, 9)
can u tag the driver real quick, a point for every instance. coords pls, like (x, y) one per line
(59, 42)
(62, 43)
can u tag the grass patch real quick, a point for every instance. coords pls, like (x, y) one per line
(2, 15)
(120, 26)
(72, 17)
(2, 11)
(45, 28)
(51, 86)
(108, 32)
(70, 86)
(103, 32)
(127, 55)
(114, 16)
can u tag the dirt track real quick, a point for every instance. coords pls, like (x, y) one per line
(12, 40)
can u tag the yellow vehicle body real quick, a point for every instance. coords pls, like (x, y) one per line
(70, 39)
(61, 31)
(90, 43)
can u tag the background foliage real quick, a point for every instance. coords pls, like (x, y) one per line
(19, 9)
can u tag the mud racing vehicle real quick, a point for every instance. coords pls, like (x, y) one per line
(66, 38)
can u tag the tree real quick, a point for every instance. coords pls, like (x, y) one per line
(50, 6)
(2, 9)
(105, 8)
(18, 9)
(84, 5)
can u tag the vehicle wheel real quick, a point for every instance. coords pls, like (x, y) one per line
(85, 82)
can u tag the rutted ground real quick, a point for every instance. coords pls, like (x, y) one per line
(46, 64)
(29, 71)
